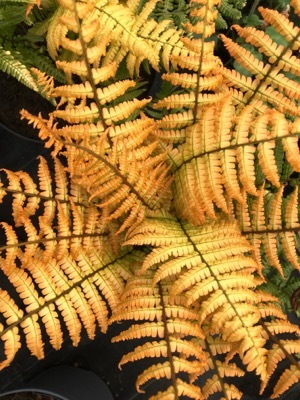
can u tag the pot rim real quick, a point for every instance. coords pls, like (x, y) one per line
(65, 382)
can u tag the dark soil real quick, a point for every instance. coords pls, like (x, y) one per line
(13, 97)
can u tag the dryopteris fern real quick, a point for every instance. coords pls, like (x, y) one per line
(20, 52)
(229, 10)
(170, 222)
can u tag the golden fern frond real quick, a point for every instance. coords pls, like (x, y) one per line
(90, 113)
(182, 389)
(199, 85)
(220, 155)
(197, 72)
(210, 267)
(79, 68)
(78, 224)
(270, 222)
(205, 13)
(192, 62)
(275, 53)
(229, 145)
(279, 351)
(125, 180)
(85, 91)
(282, 25)
(120, 165)
(289, 377)
(270, 84)
(171, 324)
(195, 273)
(296, 6)
(78, 292)
(267, 75)
(104, 23)
(216, 347)
(124, 23)
(190, 81)
(55, 31)
(124, 184)
(188, 100)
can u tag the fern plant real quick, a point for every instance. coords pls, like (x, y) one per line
(168, 212)
(23, 25)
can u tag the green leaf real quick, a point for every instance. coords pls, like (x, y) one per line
(275, 36)
(252, 20)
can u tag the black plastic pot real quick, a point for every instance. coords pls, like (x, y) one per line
(66, 383)
(18, 152)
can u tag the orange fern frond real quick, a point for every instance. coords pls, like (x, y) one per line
(166, 321)
(275, 53)
(200, 263)
(78, 292)
(283, 26)
(272, 223)
(271, 83)
(205, 14)
(220, 154)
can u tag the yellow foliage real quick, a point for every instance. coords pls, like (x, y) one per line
(167, 211)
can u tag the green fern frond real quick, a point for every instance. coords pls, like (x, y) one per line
(38, 60)
(10, 17)
(229, 10)
(282, 287)
(174, 10)
(11, 64)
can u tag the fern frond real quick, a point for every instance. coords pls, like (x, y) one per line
(84, 91)
(79, 68)
(10, 17)
(205, 15)
(275, 53)
(123, 110)
(190, 81)
(220, 154)
(76, 219)
(289, 377)
(295, 5)
(208, 187)
(11, 64)
(168, 322)
(142, 37)
(270, 84)
(203, 265)
(124, 184)
(230, 11)
(220, 370)
(188, 100)
(272, 224)
(77, 292)
(174, 10)
(282, 25)
(262, 71)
